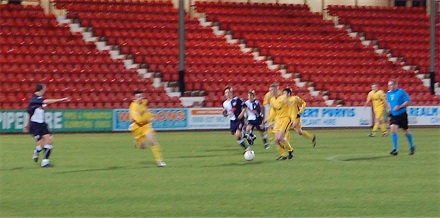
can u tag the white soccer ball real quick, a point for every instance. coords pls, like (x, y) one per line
(249, 155)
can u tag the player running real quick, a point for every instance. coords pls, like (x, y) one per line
(254, 118)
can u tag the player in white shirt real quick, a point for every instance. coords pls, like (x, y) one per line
(233, 109)
(255, 118)
(37, 126)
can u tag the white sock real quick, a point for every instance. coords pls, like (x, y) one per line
(48, 150)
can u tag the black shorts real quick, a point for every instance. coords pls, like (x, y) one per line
(256, 123)
(236, 125)
(400, 120)
(38, 130)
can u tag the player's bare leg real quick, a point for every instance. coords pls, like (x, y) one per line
(239, 136)
(304, 133)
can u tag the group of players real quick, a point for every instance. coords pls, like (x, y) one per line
(281, 112)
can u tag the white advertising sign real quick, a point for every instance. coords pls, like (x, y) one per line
(212, 118)
(423, 115)
(207, 118)
(337, 117)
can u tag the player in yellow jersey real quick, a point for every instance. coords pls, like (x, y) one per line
(267, 97)
(297, 107)
(281, 107)
(141, 126)
(266, 113)
(378, 97)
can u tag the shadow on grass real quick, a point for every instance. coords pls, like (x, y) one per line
(15, 168)
(364, 158)
(244, 163)
(29, 168)
(93, 170)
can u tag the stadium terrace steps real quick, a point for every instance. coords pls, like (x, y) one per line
(403, 31)
(35, 48)
(150, 37)
(317, 51)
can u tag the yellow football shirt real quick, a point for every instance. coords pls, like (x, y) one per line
(281, 106)
(298, 105)
(268, 96)
(266, 99)
(378, 98)
(139, 114)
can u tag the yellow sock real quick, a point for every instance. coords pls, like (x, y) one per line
(287, 145)
(281, 150)
(157, 153)
(375, 127)
(307, 135)
(383, 127)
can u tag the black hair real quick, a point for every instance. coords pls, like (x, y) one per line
(137, 92)
(39, 87)
(288, 90)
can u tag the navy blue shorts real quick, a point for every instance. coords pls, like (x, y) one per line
(38, 130)
(236, 125)
(400, 120)
(256, 123)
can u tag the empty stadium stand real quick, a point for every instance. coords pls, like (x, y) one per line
(245, 45)
(148, 33)
(321, 54)
(35, 48)
(403, 31)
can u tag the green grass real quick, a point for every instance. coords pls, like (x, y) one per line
(347, 174)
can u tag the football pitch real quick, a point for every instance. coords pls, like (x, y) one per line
(102, 175)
